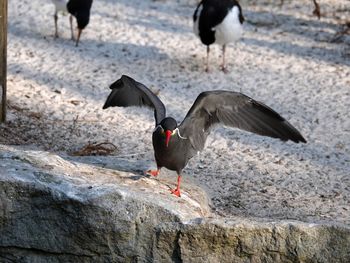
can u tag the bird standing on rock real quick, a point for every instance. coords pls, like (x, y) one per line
(220, 22)
(174, 145)
(80, 9)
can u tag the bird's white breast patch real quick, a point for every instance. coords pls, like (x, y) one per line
(230, 29)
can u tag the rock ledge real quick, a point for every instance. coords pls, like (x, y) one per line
(55, 210)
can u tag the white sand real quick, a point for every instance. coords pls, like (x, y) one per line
(285, 59)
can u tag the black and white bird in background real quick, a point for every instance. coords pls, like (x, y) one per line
(80, 9)
(174, 145)
(219, 22)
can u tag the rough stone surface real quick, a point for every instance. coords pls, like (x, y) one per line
(57, 210)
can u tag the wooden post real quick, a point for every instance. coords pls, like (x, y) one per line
(3, 59)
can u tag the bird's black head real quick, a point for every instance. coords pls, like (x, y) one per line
(83, 19)
(169, 125)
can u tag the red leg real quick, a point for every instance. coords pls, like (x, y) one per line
(223, 66)
(71, 27)
(153, 172)
(56, 29)
(207, 61)
(176, 191)
(78, 37)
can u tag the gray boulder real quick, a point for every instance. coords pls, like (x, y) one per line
(56, 210)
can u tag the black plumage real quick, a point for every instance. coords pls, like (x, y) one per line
(218, 22)
(128, 92)
(80, 9)
(174, 145)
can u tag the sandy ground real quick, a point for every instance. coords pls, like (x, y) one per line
(287, 58)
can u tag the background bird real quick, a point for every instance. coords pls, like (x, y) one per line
(80, 9)
(174, 145)
(60, 6)
(218, 22)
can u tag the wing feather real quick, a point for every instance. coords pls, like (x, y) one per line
(128, 92)
(235, 110)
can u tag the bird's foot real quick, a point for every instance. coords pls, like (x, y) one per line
(152, 172)
(224, 69)
(207, 70)
(176, 192)
(56, 36)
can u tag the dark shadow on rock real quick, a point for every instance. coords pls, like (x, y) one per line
(135, 166)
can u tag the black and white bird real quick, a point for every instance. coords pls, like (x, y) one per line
(80, 9)
(219, 22)
(174, 145)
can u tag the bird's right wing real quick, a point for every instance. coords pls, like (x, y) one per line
(128, 92)
(197, 11)
(235, 110)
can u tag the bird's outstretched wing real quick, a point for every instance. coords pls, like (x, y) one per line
(236, 110)
(128, 92)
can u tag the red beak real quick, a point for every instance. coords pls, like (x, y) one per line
(167, 137)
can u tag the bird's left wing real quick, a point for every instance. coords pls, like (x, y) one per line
(235, 110)
(128, 92)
